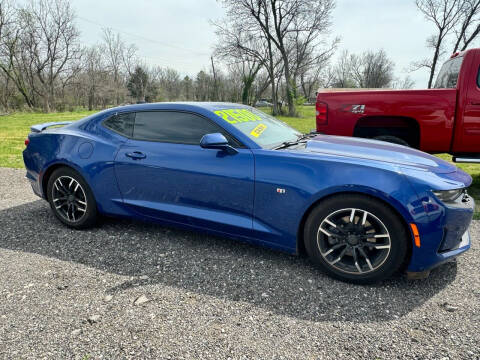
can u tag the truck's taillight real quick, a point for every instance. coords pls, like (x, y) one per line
(321, 113)
(27, 141)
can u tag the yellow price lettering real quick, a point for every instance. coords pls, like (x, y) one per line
(234, 116)
(258, 130)
(224, 116)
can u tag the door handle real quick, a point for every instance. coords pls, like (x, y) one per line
(136, 155)
(475, 103)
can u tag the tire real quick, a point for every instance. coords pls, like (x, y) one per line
(71, 199)
(392, 139)
(386, 251)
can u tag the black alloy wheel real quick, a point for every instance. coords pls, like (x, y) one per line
(71, 199)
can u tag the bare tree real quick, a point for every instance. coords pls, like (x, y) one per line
(51, 39)
(279, 21)
(326, 78)
(311, 81)
(405, 83)
(342, 72)
(95, 74)
(371, 69)
(129, 58)
(10, 53)
(40, 50)
(244, 70)
(6, 19)
(168, 81)
(444, 14)
(240, 43)
(203, 86)
(310, 65)
(260, 86)
(469, 25)
(309, 55)
(120, 59)
(244, 56)
(187, 88)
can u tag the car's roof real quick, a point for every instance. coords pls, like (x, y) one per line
(181, 105)
(202, 108)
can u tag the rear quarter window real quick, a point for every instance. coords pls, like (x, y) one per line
(121, 123)
(448, 76)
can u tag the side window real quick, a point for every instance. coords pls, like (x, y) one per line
(121, 123)
(174, 127)
(448, 76)
(478, 77)
(453, 75)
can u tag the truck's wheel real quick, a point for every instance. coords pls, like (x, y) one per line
(392, 139)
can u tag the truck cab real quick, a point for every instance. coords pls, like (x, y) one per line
(443, 119)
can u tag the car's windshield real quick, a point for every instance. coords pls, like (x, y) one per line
(265, 130)
(448, 76)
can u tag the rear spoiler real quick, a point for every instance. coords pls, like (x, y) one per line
(40, 127)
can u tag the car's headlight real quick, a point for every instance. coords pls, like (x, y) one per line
(447, 196)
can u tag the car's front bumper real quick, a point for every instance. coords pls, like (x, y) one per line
(445, 237)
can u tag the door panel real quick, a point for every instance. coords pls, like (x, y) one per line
(467, 137)
(188, 184)
(471, 128)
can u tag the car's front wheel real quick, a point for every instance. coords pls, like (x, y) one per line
(356, 238)
(71, 199)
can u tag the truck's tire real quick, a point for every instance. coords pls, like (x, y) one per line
(392, 139)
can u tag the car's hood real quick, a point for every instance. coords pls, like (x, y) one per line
(378, 151)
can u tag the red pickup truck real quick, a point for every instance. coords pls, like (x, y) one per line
(445, 119)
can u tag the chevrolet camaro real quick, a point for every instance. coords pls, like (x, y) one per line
(360, 209)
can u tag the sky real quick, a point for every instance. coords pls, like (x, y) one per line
(178, 33)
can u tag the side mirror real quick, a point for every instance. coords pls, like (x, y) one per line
(217, 141)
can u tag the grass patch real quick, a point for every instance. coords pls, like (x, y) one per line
(474, 189)
(305, 122)
(15, 128)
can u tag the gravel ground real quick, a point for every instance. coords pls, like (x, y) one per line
(134, 290)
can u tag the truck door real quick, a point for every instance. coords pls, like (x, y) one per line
(467, 127)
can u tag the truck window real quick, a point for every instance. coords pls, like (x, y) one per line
(448, 76)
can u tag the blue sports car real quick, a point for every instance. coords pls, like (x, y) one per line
(360, 209)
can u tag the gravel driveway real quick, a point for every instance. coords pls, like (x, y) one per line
(134, 290)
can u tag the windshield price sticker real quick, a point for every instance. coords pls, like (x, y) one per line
(234, 116)
(258, 130)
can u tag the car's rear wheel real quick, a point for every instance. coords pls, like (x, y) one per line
(356, 238)
(71, 199)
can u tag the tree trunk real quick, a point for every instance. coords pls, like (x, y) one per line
(247, 86)
(271, 73)
(248, 81)
(292, 111)
(91, 99)
(434, 60)
(215, 86)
